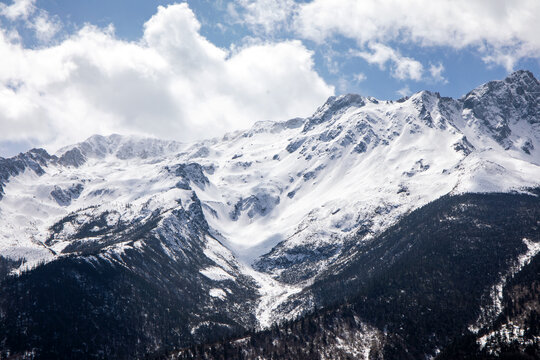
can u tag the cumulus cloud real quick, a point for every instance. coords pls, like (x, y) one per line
(501, 31)
(402, 67)
(172, 83)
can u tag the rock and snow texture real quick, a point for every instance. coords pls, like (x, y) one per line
(494, 306)
(282, 198)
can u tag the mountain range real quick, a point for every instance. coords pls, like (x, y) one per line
(371, 229)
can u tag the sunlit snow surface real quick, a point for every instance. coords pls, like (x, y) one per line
(357, 163)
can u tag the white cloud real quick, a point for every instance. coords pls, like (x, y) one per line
(18, 9)
(405, 91)
(436, 73)
(172, 83)
(402, 67)
(407, 68)
(44, 27)
(342, 85)
(267, 16)
(331, 60)
(502, 31)
(359, 77)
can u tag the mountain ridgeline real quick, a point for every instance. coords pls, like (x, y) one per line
(371, 230)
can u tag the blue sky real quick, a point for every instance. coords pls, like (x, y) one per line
(190, 70)
(464, 67)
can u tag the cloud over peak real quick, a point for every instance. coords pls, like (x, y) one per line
(171, 83)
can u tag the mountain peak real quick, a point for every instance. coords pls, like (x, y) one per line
(123, 147)
(506, 93)
(523, 82)
(334, 105)
(497, 104)
(521, 76)
(424, 96)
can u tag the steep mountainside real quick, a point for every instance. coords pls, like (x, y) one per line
(178, 244)
(462, 267)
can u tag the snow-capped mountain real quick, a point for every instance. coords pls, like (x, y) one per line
(254, 217)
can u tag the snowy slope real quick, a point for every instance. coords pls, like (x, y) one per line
(283, 198)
